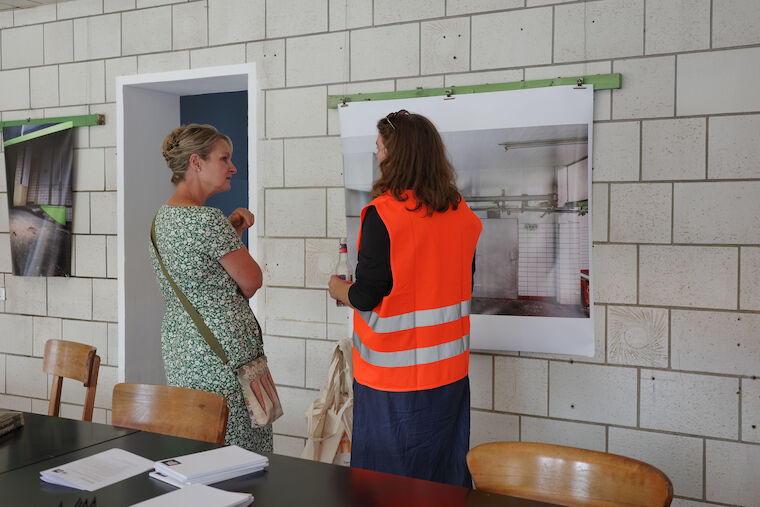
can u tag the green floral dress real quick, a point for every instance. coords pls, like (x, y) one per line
(191, 241)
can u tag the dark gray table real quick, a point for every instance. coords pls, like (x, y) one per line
(286, 482)
(43, 437)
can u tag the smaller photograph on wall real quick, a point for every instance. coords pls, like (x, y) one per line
(38, 166)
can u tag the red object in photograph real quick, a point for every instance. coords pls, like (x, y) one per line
(584, 288)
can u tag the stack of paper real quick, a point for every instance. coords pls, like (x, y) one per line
(208, 467)
(97, 471)
(198, 495)
(9, 421)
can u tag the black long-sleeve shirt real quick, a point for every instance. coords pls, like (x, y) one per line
(374, 279)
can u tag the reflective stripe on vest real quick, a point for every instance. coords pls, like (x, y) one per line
(412, 357)
(419, 318)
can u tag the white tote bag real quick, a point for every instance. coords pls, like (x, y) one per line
(330, 416)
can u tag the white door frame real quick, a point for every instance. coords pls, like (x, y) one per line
(147, 108)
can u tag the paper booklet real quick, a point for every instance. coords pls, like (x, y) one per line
(10, 420)
(208, 467)
(98, 470)
(199, 495)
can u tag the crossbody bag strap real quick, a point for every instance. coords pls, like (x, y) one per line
(189, 308)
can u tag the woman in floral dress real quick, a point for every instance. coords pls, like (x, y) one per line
(203, 253)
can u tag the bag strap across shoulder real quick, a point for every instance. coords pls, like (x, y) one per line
(207, 334)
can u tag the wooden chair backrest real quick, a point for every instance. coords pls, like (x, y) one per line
(66, 359)
(169, 410)
(567, 475)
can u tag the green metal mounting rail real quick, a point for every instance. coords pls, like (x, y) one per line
(85, 120)
(600, 82)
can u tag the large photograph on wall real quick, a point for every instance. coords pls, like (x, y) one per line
(38, 165)
(522, 160)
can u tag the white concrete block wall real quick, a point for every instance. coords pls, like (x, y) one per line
(679, 457)
(701, 215)
(553, 431)
(385, 52)
(59, 42)
(750, 410)
(676, 257)
(596, 30)
(616, 153)
(706, 94)
(689, 403)
(317, 58)
(594, 393)
(749, 290)
(25, 295)
(730, 473)
(445, 46)
(283, 261)
(717, 342)
(146, 31)
(673, 149)
(527, 34)
(225, 55)
(640, 212)
(17, 337)
(163, 62)
(698, 276)
(649, 90)
(520, 385)
(45, 328)
(97, 37)
(735, 23)
(481, 381)
(189, 25)
(22, 47)
(734, 147)
(82, 83)
(43, 86)
(677, 25)
(79, 8)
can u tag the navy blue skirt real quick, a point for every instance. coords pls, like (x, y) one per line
(421, 434)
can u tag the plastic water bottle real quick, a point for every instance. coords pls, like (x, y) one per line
(343, 268)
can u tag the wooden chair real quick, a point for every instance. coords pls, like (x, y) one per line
(174, 411)
(75, 361)
(567, 475)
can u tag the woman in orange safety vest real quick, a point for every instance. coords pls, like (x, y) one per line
(411, 303)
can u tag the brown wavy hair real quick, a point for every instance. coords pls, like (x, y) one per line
(416, 160)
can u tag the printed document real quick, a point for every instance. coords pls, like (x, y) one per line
(211, 466)
(98, 470)
(199, 495)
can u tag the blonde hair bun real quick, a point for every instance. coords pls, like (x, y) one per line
(183, 141)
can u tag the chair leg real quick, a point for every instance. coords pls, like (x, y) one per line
(89, 401)
(55, 396)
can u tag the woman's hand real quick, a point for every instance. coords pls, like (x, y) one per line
(241, 219)
(338, 288)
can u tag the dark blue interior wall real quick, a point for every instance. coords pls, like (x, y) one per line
(228, 112)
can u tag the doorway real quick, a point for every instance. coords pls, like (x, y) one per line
(148, 106)
(228, 113)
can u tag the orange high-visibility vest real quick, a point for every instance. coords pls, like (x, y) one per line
(418, 337)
